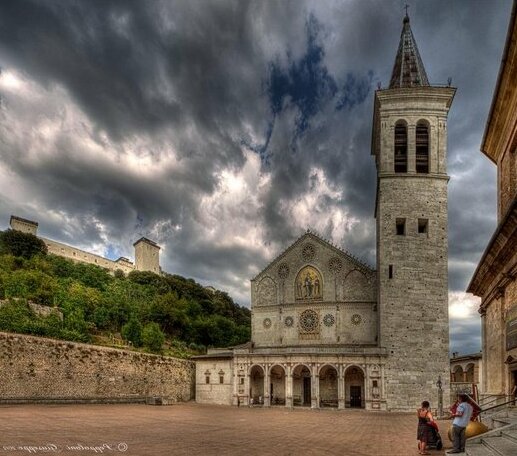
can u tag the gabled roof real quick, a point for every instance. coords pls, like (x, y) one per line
(408, 70)
(316, 237)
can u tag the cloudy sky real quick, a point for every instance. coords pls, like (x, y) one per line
(223, 129)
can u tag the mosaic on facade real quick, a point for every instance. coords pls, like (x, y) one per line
(309, 284)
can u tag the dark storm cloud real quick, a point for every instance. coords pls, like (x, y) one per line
(223, 129)
(465, 336)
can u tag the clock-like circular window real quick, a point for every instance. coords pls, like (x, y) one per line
(288, 321)
(356, 319)
(329, 320)
(309, 320)
(267, 322)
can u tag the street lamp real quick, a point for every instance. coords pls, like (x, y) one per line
(440, 396)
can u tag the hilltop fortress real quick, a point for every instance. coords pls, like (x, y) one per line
(147, 252)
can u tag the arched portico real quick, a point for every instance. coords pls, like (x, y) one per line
(458, 374)
(302, 385)
(256, 384)
(354, 387)
(328, 386)
(469, 373)
(277, 385)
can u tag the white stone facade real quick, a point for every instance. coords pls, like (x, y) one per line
(314, 335)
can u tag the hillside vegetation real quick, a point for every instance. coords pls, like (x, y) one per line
(152, 311)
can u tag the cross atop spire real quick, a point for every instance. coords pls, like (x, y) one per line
(408, 70)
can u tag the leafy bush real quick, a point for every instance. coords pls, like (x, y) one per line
(153, 337)
(132, 331)
(21, 244)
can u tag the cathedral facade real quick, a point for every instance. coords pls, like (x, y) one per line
(331, 331)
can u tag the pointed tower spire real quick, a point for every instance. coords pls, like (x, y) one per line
(408, 70)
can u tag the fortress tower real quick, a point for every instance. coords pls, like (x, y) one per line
(23, 225)
(409, 143)
(147, 255)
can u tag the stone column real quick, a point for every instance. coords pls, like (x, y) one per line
(315, 388)
(484, 351)
(247, 387)
(288, 387)
(341, 388)
(235, 386)
(411, 148)
(267, 376)
(367, 396)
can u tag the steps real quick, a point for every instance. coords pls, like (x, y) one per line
(499, 442)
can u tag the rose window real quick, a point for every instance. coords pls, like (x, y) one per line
(309, 321)
(308, 252)
(335, 264)
(267, 322)
(329, 320)
(283, 271)
(356, 319)
(288, 321)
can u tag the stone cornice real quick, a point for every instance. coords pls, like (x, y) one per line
(443, 94)
(496, 268)
(503, 111)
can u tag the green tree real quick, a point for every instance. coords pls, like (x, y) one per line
(153, 337)
(75, 321)
(132, 331)
(156, 281)
(21, 244)
(75, 295)
(33, 285)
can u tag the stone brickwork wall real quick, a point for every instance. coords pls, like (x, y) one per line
(40, 368)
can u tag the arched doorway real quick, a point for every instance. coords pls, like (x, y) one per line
(277, 385)
(302, 386)
(256, 385)
(328, 386)
(354, 387)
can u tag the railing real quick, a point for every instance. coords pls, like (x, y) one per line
(511, 401)
(490, 399)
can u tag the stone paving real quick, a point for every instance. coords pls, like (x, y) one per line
(194, 429)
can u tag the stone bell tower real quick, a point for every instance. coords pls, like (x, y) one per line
(409, 142)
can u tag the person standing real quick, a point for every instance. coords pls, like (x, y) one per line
(424, 417)
(460, 422)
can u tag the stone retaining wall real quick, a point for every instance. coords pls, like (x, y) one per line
(37, 368)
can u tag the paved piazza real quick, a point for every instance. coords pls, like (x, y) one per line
(194, 429)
